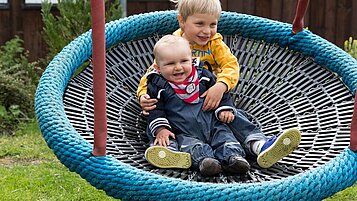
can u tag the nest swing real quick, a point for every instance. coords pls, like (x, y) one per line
(287, 80)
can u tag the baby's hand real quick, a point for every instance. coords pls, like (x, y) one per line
(213, 96)
(162, 137)
(226, 116)
(147, 103)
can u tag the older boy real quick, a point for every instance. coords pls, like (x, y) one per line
(198, 20)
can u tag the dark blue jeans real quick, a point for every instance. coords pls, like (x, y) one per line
(245, 131)
(225, 140)
(221, 145)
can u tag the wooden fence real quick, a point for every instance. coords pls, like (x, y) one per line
(331, 19)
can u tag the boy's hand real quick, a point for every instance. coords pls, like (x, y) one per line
(162, 137)
(147, 103)
(226, 116)
(213, 96)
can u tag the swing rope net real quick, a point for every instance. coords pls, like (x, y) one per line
(285, 81)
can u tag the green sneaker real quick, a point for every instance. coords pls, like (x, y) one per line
(277, 147)
(164, 158)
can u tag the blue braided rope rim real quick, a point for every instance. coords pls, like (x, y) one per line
(123, 181)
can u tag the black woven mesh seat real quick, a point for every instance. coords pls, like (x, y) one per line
(280, 89)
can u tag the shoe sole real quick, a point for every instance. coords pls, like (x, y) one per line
(283, 146)
(164, 158)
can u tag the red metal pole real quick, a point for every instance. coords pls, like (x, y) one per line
(99, 81)
(353, 138)
(298, 23)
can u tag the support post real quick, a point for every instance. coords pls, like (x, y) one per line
(298, 23)
(99, 77)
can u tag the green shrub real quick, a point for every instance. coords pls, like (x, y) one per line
(9, 119)
(18, 80)
(74, 19)
(351, 47)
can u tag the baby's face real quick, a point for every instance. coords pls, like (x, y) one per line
(199, 28)
(175, 62)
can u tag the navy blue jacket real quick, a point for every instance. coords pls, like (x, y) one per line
(181, 117)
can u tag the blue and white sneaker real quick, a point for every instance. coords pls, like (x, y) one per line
(277, 147)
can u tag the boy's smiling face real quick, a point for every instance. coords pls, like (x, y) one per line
(199, 28)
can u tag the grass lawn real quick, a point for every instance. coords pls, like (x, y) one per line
(30, 171)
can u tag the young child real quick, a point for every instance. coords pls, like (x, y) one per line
(177, 85)
(198, 24)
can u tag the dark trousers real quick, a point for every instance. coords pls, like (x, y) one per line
(225, 140)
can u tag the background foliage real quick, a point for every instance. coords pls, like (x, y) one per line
(351, 47)
(19, 77)
(73, 20)
(18, 80)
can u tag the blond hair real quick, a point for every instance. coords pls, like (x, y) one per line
(190, 7)
(169, 40)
